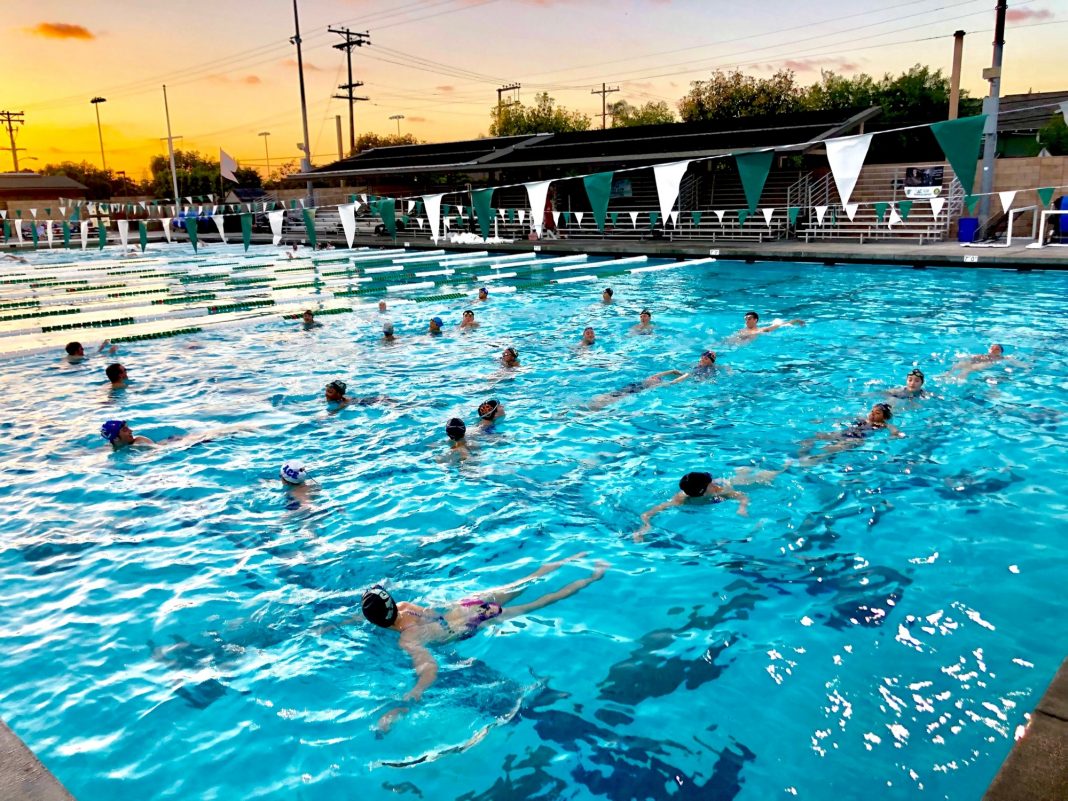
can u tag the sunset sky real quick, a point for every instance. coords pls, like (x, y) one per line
(231, 71)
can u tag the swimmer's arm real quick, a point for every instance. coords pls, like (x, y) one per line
(426, 669)
(741, 497)
(648, 516)
(104, 344)
(143, 441)
(894, 430)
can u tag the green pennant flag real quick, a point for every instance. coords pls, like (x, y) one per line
(292, 204)
(309, 227)
(791, 214)
(614, 217)
(743, 214)
(970, 202)
(18, 213)
(418, 207)
(7, 229)
(1045, 195)
(48, 212)
(511, 216)
(406, 220)
(567, 217)
(753, 169)
(880, 210)
(654, 218)
(482, 199)
(598, 190)
(33, 235)
(142, 234)
(960, 140)
(834, 215)
(459, 221)
(76, 214)
(352, 198)
(696, 217)
(904, 208)
(246, 230)
(66, 235)
(191, 229)
(101, 236)
(387, 210)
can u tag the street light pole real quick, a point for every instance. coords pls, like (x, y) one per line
(398, 118)
(266, 152)
(96, 101)
(306, 166)
(990, 108)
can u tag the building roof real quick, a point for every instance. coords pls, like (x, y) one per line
(1028, 112)
(33, 181)
(644, 144)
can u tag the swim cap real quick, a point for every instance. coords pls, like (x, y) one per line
(293, 473)
(645, 311)
(340, 386)
(455, 428)
(608, 291)
(483, 289)
(387, 328)
(513, 351)
(919, 373)
(490, 407)
(73, 348)
(695, 484)
(436, 321)
(110, 430)
(709, 354)
(379, 607)
(888, 412)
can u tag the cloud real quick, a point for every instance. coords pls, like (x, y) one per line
(292, 62)
(1028, 14)
(251, 80)
(415, 119)
(445, 88)
(811, 65)
(61, 30)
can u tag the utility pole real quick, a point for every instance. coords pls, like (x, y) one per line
(96, 101)
(306, 148)
(990, 108)
(512, 87)
(170, 148)
(351, 40)
(954, 76)
(11, 119)
(604, 92)
(266, 152)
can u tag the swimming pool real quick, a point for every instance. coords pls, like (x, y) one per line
(880, 624)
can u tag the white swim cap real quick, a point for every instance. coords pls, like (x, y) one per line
(293, 473)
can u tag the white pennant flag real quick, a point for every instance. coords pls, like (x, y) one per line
(432, 204)
(363, 198)
(34, 213)
(820, 212)
(3, 214)
(668, 177)
(220, 222)
(227, 166)
(166, 226)
(48, 231)
(579, 215)
(62, 211)
(85, 234)
(420, 221)
(501, 212)
(411, 205)
(248, 207)
(189, 199)
(846, 156)
(851, 210)
(448, 225)
(124, 232)
(633, 219)
(92, 209)
(936, 205)
(174, 211)
(214, 209)
(301, 202)
(768, 214)
(522, 216)
(674, 218)
(18, 230)
(1006, 200)
(347, 213)
(895, 218)
(537, 191)
(275, 219)
(144, 205)
(719, 215)
(556, 218)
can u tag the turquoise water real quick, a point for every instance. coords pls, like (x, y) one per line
(880, 624)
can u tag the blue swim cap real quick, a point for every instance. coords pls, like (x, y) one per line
(110, 430)
(436, 321)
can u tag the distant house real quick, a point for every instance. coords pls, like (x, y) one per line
(1021, 117)
(20, 188)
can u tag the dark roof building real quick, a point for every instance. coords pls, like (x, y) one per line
(25, 186)
(1021, 117)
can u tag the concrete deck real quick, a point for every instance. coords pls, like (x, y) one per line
(22, 776)
(1037, 767)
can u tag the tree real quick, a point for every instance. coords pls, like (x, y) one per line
(246, 176)
(1054, 136)
(727, 95)
(367, 141)
(101, 184)
(543, 117)
(624, 115)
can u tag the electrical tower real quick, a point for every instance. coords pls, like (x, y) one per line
(604, 92)
(512, 87)
(351, 40)
(11, 119)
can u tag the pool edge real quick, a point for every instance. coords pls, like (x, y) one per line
(22, 776)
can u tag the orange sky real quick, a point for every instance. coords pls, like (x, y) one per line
(230, 69)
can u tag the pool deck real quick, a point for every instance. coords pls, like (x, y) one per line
(22, 776)
(1037, 767)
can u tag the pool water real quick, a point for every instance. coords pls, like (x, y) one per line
(880, 624)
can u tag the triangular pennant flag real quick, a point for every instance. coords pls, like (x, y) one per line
(419, 221)
(654, 218)
(959, 140)
(48, 213)
(66, 235)
(142, 234)
(753, 168)
(936, 205)
(522, 216)
(387, 210)
(743, 215)
(49, 233)
(18, 230)
(579, 215)
(433, 214)
(851, 210)
(791, 214)
(970, 202)
(567, 217)
(537, 191)
(598, 190)
(411, 206)
(846, 156)
(501, 213)
(174, 211)
(668, 177)
(275, 220)
(820, 212)
(895, 218)
(302, 205)
(905, 208)
(719, 215)
(166, 226)
(188, 198)
(144, 206)
(768, 214)
(62, 211)
(880, 210)
(448, 225)
(556, 218)
(1045, 195)
(33, 212)
(309, 227)
(33, 235)
(347, 213)
(246, 230)
(482, 200)
(191, 229)
(633, 219)
(674, 217)
(3, 214)
(220, 223)
(1006, 200)
(85, 234)
(510, 216)
(124, 232)
(696, 217)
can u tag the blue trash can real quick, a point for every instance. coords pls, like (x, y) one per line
(966, 228)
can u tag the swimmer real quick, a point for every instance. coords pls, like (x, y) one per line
(510, 358)
(632, 389)
(116, 374)
(468, 320)
(878, 419)
(753, 330)
(483, 293)
(309, 320)
(76, 353)
(335, 394)
(489, 412)
(435, 327)
(11, 257)
(119, 435)
(706, 365)
(456, 431)
(606, 296)
(420, 626)
(645, 323)
(588, 337)
(295, 477)
(387, 332)
(699, 487)
(983, 361)
(913, 386)
(381, 307)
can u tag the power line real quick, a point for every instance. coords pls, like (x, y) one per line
(604, 92)
(11, 119)
(351, 40)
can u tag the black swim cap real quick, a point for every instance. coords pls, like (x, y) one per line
(491, 409)
(645, 311)
(455, 428)
(340, 386)
(73, 347)
(887, 410)
(513, 351)
(379, 607)
(695, 484)
(710, 354)
(608, 291)
(918, 372)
